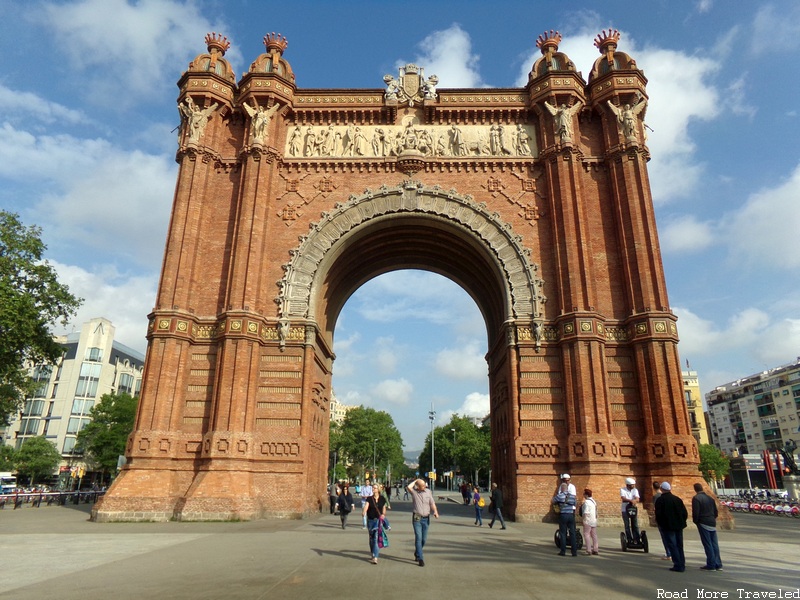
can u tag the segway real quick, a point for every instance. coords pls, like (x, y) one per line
(557, 539)
(627, 544)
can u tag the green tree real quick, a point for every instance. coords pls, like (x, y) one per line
(468, 449)
(7, 458)
(103, 439)
(31, 301)
(37, 457)
(368, 435)
(714, 465)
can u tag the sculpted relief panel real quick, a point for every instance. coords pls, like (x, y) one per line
(371, 141)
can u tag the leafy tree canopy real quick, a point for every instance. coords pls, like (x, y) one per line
(459, 444)
(714, 465)
(7, 458)
(37, 457)
(31, 301)
(103, 439)
(368, 435)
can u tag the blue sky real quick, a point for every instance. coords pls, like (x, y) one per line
(87, 152)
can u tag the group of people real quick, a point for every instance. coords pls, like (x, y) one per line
(670, 513)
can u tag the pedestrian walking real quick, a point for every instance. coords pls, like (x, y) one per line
(345, 504)
(671, 516)
(365, 492)
(479, 503)
(333, 492)
(496, 506)
(374, 512)
(422, 506)
(704, 515)
(656, 495)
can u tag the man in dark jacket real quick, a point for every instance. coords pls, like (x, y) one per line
(496, 506)
(671, 517)
(704, 515)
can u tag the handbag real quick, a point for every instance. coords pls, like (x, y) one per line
(481, 503)
(383, 539)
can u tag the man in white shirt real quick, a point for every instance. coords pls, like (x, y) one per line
(565, 478)
(630, 495)
(366, 492)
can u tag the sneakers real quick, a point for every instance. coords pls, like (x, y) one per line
(665, 557)
(707, 568)
(720, 569)
(421, 563)
(374, 561)
(595, 552)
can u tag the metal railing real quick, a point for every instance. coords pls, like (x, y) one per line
(35, 499)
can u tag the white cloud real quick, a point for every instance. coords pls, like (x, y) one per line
(130, 46)
(393, 391)
(686, 234)
(448, 55)
(778, 26)
(463, 362)
(385, 355)
(475, 405)
(19, 105)
(763, 233)
(123, 299)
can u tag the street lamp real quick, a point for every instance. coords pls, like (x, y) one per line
(452, 472)
(374, 451)
(432, 417)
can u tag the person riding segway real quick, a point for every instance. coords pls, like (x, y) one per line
(631, 538)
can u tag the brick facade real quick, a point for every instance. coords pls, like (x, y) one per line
(536, 200)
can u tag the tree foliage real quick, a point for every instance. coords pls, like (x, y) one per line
(467, 449)
(37, 457)
(7, 458)
(31, 301)
(103, 439)
(367, 435)
(714, 465)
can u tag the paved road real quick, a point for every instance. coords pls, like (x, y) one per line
(55, 552)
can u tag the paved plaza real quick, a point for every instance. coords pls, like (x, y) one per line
(55, 552)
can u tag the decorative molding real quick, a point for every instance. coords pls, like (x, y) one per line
(523, 284)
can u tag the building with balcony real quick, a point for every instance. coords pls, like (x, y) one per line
(93, 363)
(694, 402)
(759, 412)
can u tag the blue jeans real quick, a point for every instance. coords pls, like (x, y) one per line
(478, 511)
(372, 524)
(420, 535)
(497, 514)
(567, 520)
(711, 546)
(674, 540)
(664, 542)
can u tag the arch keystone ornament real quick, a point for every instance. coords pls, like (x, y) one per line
(534, 200)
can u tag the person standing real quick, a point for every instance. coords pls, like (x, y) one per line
(630, 497)
(374, 512)
(704, 515)
(333, 492)
(566, 518)
(656, 494)
(671, 516)
(477, 501)
(345, 504)
(422, 506)
(589, 514)
(496, 506)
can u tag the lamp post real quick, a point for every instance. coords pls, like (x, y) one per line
(452, 480)
(432, 417)
(374, 454)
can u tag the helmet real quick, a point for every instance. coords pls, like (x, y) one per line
(630, 481)
(565, 476)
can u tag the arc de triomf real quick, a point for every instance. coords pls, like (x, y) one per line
(535, 200)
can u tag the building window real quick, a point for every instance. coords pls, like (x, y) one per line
(81, 406)
(69, 445)
(29, 426)
(125, 383)
(33, 408)
(88, 380)
(94, 354)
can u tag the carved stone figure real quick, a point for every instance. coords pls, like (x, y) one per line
(562, 119)
(196, 118)
(392, 87)
(296, 142)
(359, 147)
(457, 145)
(310, 142)
(626, 116)
(260, 121)
(429, 87)
(522, 146)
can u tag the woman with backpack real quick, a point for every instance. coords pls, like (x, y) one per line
(479, 504)
(345, 504)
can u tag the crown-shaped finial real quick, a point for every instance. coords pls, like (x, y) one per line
(217, 41)
(606, 38)
(547, 40)
(275, 42)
